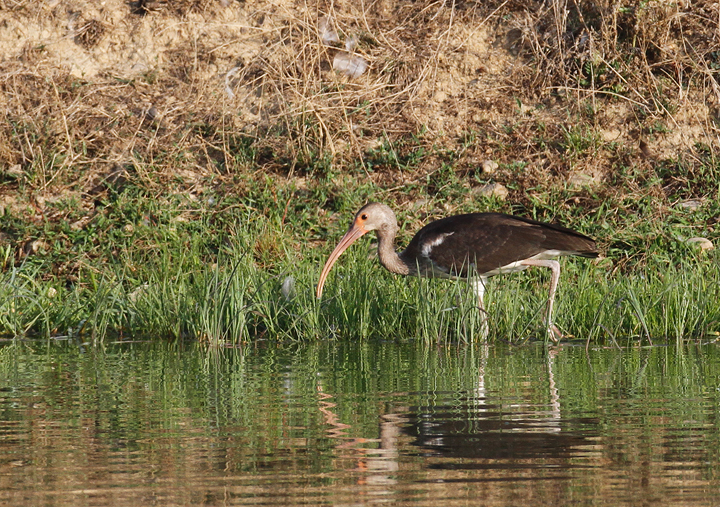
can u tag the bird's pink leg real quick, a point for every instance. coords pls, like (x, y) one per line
(553, 331)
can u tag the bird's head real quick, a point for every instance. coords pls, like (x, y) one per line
(374, 217)
(371, 217)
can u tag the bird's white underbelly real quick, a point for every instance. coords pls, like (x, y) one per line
(516, 266)
(433, 270)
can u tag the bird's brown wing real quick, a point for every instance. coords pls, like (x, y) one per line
(491, 241)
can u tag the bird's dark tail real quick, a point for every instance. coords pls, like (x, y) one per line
(591, 254)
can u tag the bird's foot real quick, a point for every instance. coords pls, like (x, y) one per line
(555, 334)
(484, 331)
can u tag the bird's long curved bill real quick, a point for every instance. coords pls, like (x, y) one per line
(350, 237)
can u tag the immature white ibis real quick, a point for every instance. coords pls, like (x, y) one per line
(460, 246)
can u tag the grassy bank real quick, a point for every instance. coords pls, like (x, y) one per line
(176, 198)
(222, 270)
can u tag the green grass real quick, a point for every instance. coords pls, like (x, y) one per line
(210, 265)
(228, 290)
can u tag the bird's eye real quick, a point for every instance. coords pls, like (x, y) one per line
(363, 217)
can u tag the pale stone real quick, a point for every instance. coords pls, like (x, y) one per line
(582, 179)
(691, 204)
(489, 166)
(703, 243)
(491, 190)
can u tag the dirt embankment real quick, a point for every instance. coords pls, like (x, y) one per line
(174, 91)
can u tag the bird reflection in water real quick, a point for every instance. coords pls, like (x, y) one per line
(500, 434)
(376, 458)
(481, 431)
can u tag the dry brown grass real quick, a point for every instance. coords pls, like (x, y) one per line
(261, 93)
(660, 59)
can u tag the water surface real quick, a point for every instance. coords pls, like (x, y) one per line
(358, 424)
